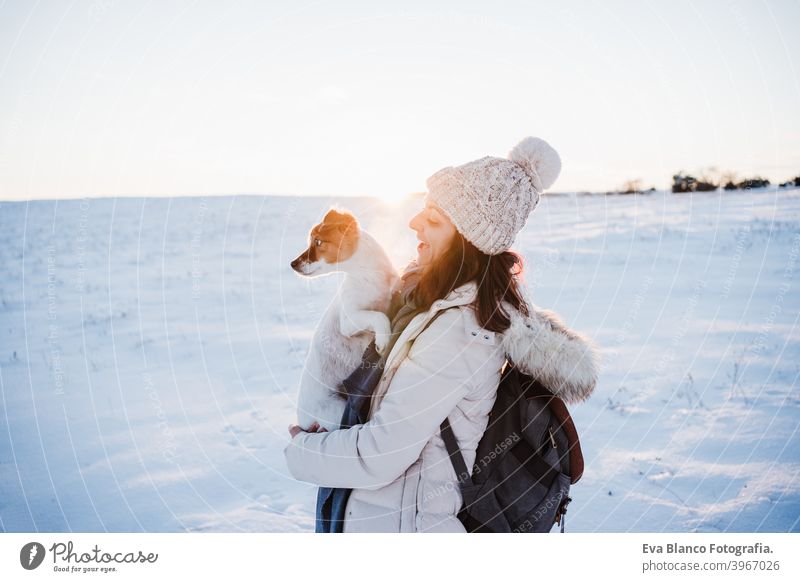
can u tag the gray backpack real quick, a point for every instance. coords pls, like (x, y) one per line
(525, 462)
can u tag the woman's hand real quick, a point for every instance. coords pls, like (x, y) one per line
(294, 430)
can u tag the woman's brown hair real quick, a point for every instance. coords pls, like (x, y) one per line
(498, 278)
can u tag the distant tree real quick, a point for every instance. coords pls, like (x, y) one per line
(749, 183)
(729, 179)
(705, 186)
(687, 183)
(681, 183)
(707, 181)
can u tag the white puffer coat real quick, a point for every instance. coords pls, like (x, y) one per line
(397, 463)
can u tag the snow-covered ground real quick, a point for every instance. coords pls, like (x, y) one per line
(151, 350)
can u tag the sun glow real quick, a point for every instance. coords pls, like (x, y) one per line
(395, 200)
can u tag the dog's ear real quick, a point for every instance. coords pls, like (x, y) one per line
(342, 220)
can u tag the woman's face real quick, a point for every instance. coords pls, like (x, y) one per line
(435, 232)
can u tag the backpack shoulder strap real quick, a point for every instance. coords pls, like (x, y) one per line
(437, 314)
(454, 453)
(462, 474)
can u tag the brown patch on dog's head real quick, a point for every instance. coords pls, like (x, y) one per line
(332, 241)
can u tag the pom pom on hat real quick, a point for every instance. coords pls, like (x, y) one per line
(539, 160)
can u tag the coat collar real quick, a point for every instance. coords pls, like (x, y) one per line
(462, 295)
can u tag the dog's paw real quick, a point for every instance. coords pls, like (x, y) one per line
(381, 341)
(383, 332)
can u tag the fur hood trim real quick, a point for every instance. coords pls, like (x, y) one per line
(541, 345)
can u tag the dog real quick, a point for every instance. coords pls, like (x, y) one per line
(355, 317)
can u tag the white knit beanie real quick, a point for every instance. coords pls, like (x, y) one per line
(489, 200)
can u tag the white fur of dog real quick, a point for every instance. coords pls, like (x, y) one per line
(355, 316)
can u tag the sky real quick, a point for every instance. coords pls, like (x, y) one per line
(119, 98)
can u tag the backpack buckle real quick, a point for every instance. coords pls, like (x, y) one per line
(561, 518)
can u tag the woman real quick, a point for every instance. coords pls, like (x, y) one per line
(464, 311)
